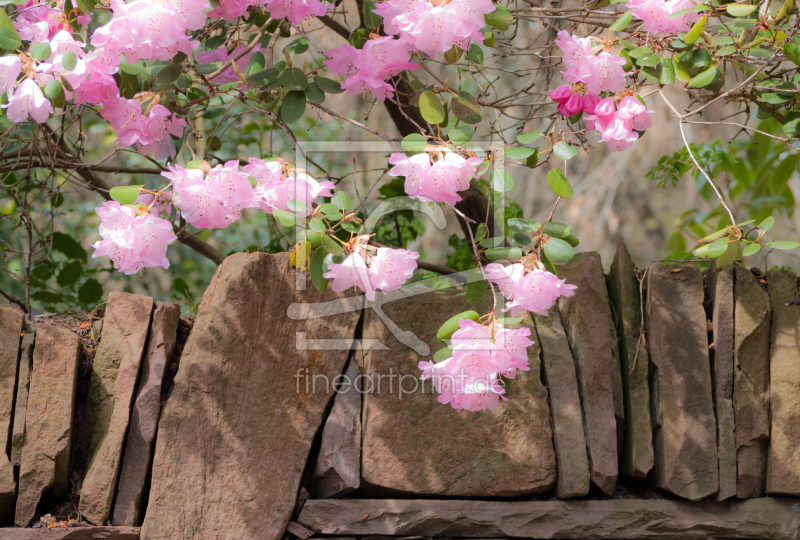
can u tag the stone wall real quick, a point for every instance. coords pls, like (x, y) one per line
(662, 402)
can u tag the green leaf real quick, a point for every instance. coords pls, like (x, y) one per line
(500, 18)
(792, 52)
(791, 124)
(783, 245)
(564, 150)
(558, 251)
(317, 225)
(9, 38)
(47, 297)
(502, 181)
(443, 354)
(125, 194)
(133, 69)
(466, 108)
(170, 73)
(481, 233)
(298, 46)
(557, 230)
(71, 273)
(295, 79)
(329, 86)
(533, 160)
(331, 211)
(331, 245)
(263, 77)
(728, 257)
(704, 78)
(528, 138)
(68, 246)
(572, 240)
(452, 56)
(476, 287)
(257, 63)
(519, 152)
(371, 19)
(694, 32)
(475, 54)
(504, 253)
(461, 134)
(314, 94)
(40, 51)
(293, 106)
(359, 38)
(713, 250)
(740, 10)
(667, 75)
(431, 108)
(316, 269)
(86, 6)
(54, 91)
(451, 324)
(559, 184)
(523, 225)
(69, 60)
(491, 242)
(287, 219)
(414, 143)
(623, 21)
(752, 249)
(341, 200)
(90, 292)
(767, 224)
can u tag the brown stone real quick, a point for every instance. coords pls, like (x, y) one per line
(73, 533)
(721, 287)
(414, 444)
(48, 421)
(751, 384)
(618, 519)
(624, 293)
(111, 389)
(684, 431)
(558, 369)
(586, 321)
(338, 468)
(21, 402)
(11, 323)
(144, 416)
(235, 434)
(783, 465)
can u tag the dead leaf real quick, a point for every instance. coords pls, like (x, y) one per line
(364, 517)
(676, 270)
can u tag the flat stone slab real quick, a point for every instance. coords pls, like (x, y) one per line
(414, 444)
(783, 465)
(111, 389)
(685, 428)
(621, 519)
(558, 369)
(585, 318)
(21, 404)
(144, 416)
(11, 324)
(234, 436)
(623, 291)
(76, 533)
(751, 384)
(48, 423)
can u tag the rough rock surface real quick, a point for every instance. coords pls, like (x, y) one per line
(616, 377)
(783, 465)
(144, 416)
(414, 444)
(21, 404)
(623, 291)
(77, 533)
(234, 436)
(558, 369)
(685, 438)
(590, 340)
(751, 384)
(11, 323)
(620, 519)
(115, 372)
(721, 287)
(48, 423)
(338, 468)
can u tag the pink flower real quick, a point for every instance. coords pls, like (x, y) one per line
(603, 72)
(125, 116)
(572, 106)
(28, 100)
(562, 93)
(590, 101)
(9, 71)
(233, 9)
(506, 278)
(656, 14)
(536, 291)
(577, 51)
(158, 127)
(231, 188)
(391, 268)
(273, 191)
(297, 10)
(440, 181)
(618, 127)
(352, 272)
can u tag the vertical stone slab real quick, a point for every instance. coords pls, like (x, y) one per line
(684, 431)
(623, 291)
(558, 369)
(751, 384)
(21, 404)
(585, 318)
(144, 416)
(338, 468)
(235, 434)
(413, 444)
(115, 372)
(721, 287)
(11, 323)
(48, 422)
(783, 461)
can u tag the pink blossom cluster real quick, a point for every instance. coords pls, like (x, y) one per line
(470, 379)
(368, 68)
(386, 269)
(277, 185)
(294, 10)
(536, 291)
(618, 125)
(150, 133)
(659, 15)
(133, 238)
(434, 27)
(598, 72)
(571, 102)
(439, 180)
(40, 21)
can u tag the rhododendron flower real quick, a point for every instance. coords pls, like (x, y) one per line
(590, 101)
(572, 106)
(352, 272)
(536, 291)
(158, 126)
(391, 268)
(274, 191)
(438, 181)
(297, 10)
(618, 127)
(656, 14)
(562, 93)
(10, 67)
(27, 100)
(576, 51)
(232, 9)
(601, 72)
(125, 116)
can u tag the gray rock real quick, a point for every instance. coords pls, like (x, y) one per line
(783, 465)
(21, 404)
(414, 444)
(558, 370)
(721, 287)
(623, 291)
(684, 431)
(144, 416)
(11, 323)
(235, 434)
(619, 519)
(338, 468)
(751, 384)
(76, 533)
(115, 372)
(590, 340)
(48, 421)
